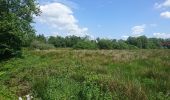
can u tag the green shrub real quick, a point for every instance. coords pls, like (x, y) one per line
(123, 45)
(10, 46)
(132, 46)
(40, 88)
(85, 45)
(104, 44)
(91, 91)
(41, 46)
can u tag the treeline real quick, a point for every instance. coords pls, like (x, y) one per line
(16, 32)
(75, 42)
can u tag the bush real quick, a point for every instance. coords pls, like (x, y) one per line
(132, 47)
(123, 45)
(41, 46)
(85, 45)
(105, 44)
(10, 46)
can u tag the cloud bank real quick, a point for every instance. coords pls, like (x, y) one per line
(165, 14)
(60, 16)
(138, 30)
(165, 4)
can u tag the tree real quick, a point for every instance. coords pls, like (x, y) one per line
(104, 43)
(86, 44)
(16, 17)
(9, 46)
(122, 45)
(140, 42)
(72, 40)
(154, 43)
(132, 41)
(57, 41)
(41, 38)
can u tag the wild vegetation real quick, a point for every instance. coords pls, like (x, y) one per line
(16, 30)
(77, 68)
(141, 42)
(87, 74)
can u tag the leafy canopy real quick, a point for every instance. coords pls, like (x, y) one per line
(16, 17)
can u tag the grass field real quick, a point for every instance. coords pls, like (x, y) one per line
(87, 75)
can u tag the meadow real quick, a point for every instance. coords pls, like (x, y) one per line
(66, 74)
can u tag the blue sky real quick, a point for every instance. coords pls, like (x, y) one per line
(104, 18)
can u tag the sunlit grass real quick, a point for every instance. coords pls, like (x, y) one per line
(87, 74)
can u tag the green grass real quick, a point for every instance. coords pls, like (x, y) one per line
(87, 75)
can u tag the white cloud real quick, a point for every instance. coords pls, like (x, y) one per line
(165, 14)
(60, 16)
(161, 35)
(138, 30)
(166, 3)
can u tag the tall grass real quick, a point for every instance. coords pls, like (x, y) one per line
(87, 75)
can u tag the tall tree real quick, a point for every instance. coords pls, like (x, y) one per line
(104, 43)
(41, 38)
(16, 17)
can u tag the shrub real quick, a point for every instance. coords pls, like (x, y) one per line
(122, 45)
(132, 47)
(10, 46)
(85, 45)
(105, 44)
(41, 46)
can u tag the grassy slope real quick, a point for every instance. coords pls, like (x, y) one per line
(85, 75)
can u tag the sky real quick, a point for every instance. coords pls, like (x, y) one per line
(116, 19)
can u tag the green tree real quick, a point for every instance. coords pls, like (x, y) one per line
(143, 42)
(85, 45)
(104, 43)
(16, 17)
(132, 41)
(57, 41)
(153, 43)
(140, 42)
(72, 40)
(122, 45)
(41, 38)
